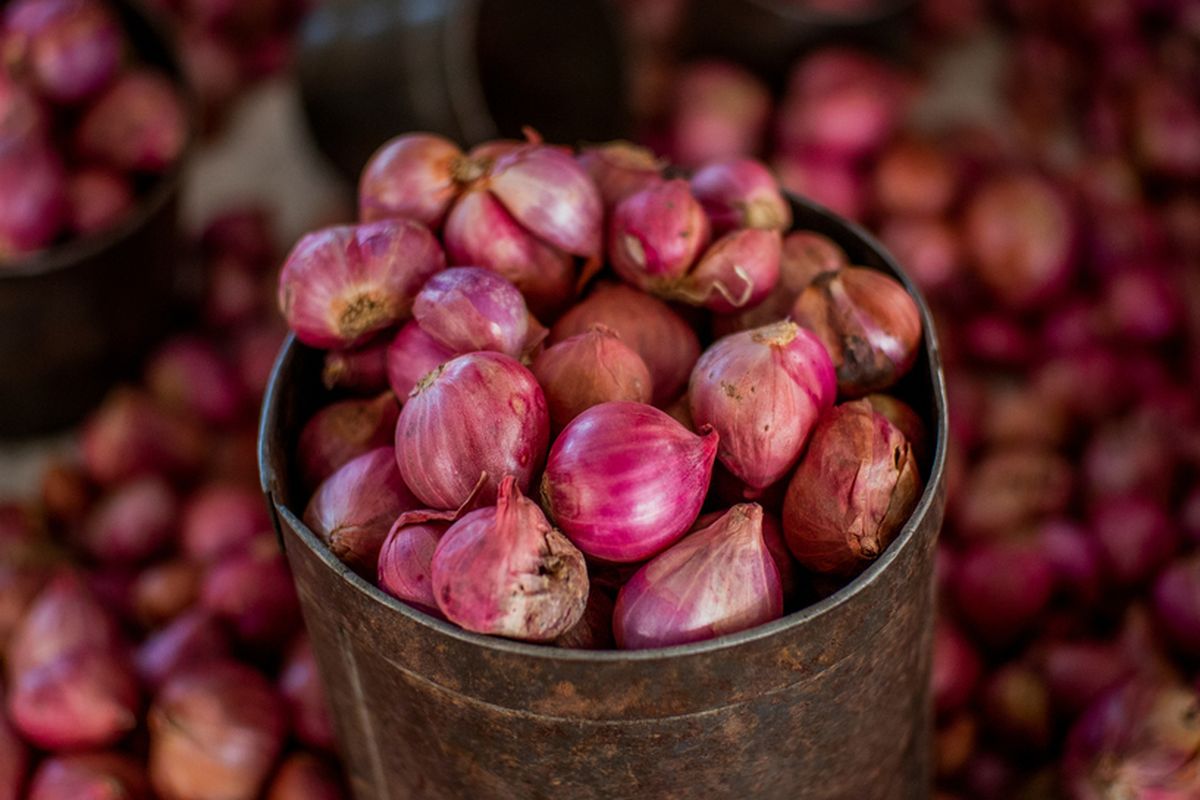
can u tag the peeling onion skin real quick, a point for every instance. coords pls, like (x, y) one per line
(414, 176)
(855, 487)
(505, 571)
(719, 580)
(354, 508)
(660, 336)
(655, 235)
(625, 480)
(342, 284)
(405, 564)
(620, 169)
(868, 323)
(738, 271)
(763, 391)
(480, 414)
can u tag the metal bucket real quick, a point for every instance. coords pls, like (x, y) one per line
(829, 703)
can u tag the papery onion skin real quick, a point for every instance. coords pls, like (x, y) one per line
(772, 531)
(480, 414)
(411, 176)
(412, 355)
(405, 564)
(660, 336)
(620, 169)
(361, 370)
(625, 480)
(481, 232)
(741, 193)
(215, 732)
(594, 630)
(470, 308)
(763, 391)
(588, 369)
(505, 571)
(89, 776)
(552, 196)
(342, 284)
(738, 271)
(354, 508)
(655, 235)
(908, 421)
(853, 491)
(868, 323)
(342, 431)
(719, 580)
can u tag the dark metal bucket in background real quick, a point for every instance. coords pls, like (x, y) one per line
(829, 703)
(79, 316)
(470, 70)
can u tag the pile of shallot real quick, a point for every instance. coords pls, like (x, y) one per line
(578, 401)
(150, 636)
(84, 128)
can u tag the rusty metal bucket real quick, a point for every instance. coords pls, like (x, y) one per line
(828, 703)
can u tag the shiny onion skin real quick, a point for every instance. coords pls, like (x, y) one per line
(741, 193)
(854, 489)
(472, 421)
(737, 271)
(763, 392)
(504, 570)
(625, 480)
(340, 285)
(655, 235)
(588, 369)
(660, 336)
(414, 176)
(718, 580)
(412, 355)
(354, 508)
(405, 563)
(470, 308)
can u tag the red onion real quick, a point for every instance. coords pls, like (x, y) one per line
(720, 110)
(90, 776)
(661, 337)
(64, 618)
(1189, 514)
(255, 347)
(655, 235)
(763, 392)
(914, 177)
(738, 271)
(472, 421)
(468, 308)
(1079, 673)
(300, 686)
(1020, 238)
(66, 493)
(85, 698)
(187, 642)
(997, 339)
(1089, 383)
(1016, 707)
(681, 411)
(772, 531)
(624, 480)
(1016, 414)
(1166, 127)
(361, 370)
(138, 124)
(71, 49)
(1177, 604)
(303, 776)
(1142, 304)
(14, 762)
(98, 199)
(34, 204)
(339, 285)
(1130, 455)
(503, 570)
(343, 430)
(853, 491)
(829, 179)
(133, 523)
(719, 580)
(1139, 741)
(112, 586)
(1135, 536)
(416, 176)
(988, 776)
(404, 564)
(953, 745)
(252, 591)
(165, 590)
(215, 733)
(22, 117)
(354, 508)
(1074, 557)
(129, 435)
(19, 587)
(587, 369)
(190, 375)
(1012, 486)
(594, 630)
(211, 64)
(244, 233)
(868, 323)
(1002, 588)
(620, 169)
(481, 232)
(412, 355)
(740, 193)
(551, 195)
(220, 518)
(956, 669)
(906, 420)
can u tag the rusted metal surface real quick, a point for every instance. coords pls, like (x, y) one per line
(829, 703)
